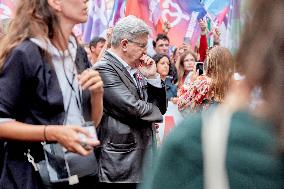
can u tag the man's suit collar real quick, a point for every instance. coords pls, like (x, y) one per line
(109, 57)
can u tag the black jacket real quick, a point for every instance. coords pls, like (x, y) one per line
(126, 130)
(30, 93)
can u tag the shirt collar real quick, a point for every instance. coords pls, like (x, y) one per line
(50, 48)
(130, 70)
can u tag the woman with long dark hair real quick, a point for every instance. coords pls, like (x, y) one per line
(46, 90)
(185, 66)
(163, 66)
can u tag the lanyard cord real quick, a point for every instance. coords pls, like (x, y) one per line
(69, 101)
(79, 101)
(79, 97)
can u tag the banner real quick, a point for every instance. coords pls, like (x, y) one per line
(171, 118)
(147, 10)
(183, 17)
(97, 20)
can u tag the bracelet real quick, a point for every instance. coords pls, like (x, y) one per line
(44, 133)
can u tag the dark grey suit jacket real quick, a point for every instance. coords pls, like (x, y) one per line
(126, 131)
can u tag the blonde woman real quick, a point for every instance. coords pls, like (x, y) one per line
(210, 87)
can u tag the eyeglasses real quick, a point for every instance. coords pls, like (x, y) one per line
(162, 45)
(142, 45)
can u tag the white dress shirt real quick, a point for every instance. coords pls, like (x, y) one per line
(156, 82)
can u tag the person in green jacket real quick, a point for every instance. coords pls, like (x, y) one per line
(254, 149)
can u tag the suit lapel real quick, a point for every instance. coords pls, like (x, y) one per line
(123, 73)
(119, 65)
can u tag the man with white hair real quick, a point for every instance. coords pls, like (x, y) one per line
(134, 98)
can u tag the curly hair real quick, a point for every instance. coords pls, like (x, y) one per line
(220, 68)
(34, 18)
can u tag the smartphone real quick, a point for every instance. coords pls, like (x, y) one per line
(199, 67)
(186, 40)
(89, 125)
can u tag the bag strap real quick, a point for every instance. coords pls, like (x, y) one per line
(215, 133)
(2, 156)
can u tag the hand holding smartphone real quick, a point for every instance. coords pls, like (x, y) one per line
(199, 68)
(90, 127)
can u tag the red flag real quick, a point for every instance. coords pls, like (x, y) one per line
(138, 8)
(147, 10)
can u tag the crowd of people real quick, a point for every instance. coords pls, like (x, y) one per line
(83, 116)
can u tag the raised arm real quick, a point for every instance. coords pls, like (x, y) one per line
(203, 46)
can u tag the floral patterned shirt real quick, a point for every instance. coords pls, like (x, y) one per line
(196, 96)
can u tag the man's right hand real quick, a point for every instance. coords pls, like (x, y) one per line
(148, 67)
